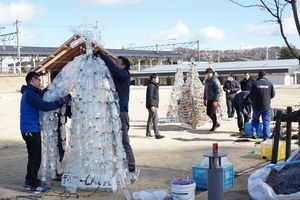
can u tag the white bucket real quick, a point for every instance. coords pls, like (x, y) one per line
(183, 192)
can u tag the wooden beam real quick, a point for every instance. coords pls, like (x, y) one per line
(276, 137)
(56, 52)
(286, 118)
(111, 56)
(53, 60)
(66, 53)
(288, 135)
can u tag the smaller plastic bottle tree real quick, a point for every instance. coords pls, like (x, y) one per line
(172, 114)
(191, 110)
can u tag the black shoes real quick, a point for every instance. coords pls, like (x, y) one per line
(214, 128)
(156, 136)
(159, 136)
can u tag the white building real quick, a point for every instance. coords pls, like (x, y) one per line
(280, 72)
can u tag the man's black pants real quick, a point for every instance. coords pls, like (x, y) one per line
(211, 111)
(230, 107)
(125, 140)
(33, 145)
(241, 117)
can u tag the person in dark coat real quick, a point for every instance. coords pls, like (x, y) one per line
(231, 87)
(212, 95)
(261, 93)
(62, 120)
(120, 73)
(247, 82)
(31, 104)
(152, 101)
(242, 106)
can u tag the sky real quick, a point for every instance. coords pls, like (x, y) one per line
(124, 23)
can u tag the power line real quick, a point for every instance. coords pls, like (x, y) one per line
(11, 36)
(7, 36)
(45, 26)
(170, 46)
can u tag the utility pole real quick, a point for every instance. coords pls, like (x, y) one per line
(198, 50)
(9, 37)
(18, 47)
(267, 53)
(1, 59)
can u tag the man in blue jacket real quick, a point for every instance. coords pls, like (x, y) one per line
(121, 76)
(261, 93)
(31, 104)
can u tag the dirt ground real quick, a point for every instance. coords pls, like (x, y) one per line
(159, 160)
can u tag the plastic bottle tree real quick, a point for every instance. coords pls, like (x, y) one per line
(94, 156)
(191, 110)
(172, 114)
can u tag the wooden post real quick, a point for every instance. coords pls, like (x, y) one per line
(288, 133)
(276, 137)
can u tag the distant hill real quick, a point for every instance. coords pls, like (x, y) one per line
(232, 55)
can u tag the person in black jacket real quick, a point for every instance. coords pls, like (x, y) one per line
(247, 82)
(152, 101)
(231, 87)
(120, 73)
(212, 95)
(62, 120)
(261, 93)
(242, 106)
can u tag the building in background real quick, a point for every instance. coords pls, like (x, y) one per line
(280, 72)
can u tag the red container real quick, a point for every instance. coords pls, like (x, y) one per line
(215, 148)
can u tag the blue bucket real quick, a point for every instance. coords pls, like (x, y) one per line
(249, 131)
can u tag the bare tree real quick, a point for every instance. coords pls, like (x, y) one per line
(275, 8)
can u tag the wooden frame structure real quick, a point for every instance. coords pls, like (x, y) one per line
(289, 117)
(64, 54)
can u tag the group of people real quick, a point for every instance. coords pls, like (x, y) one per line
(32, 103)
(250, 99)
(242, 97)
(256, 93)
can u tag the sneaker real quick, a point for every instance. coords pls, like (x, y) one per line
(133, 176)
(149, 135)
(39, 189)
(253, 137)
(159, 136)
